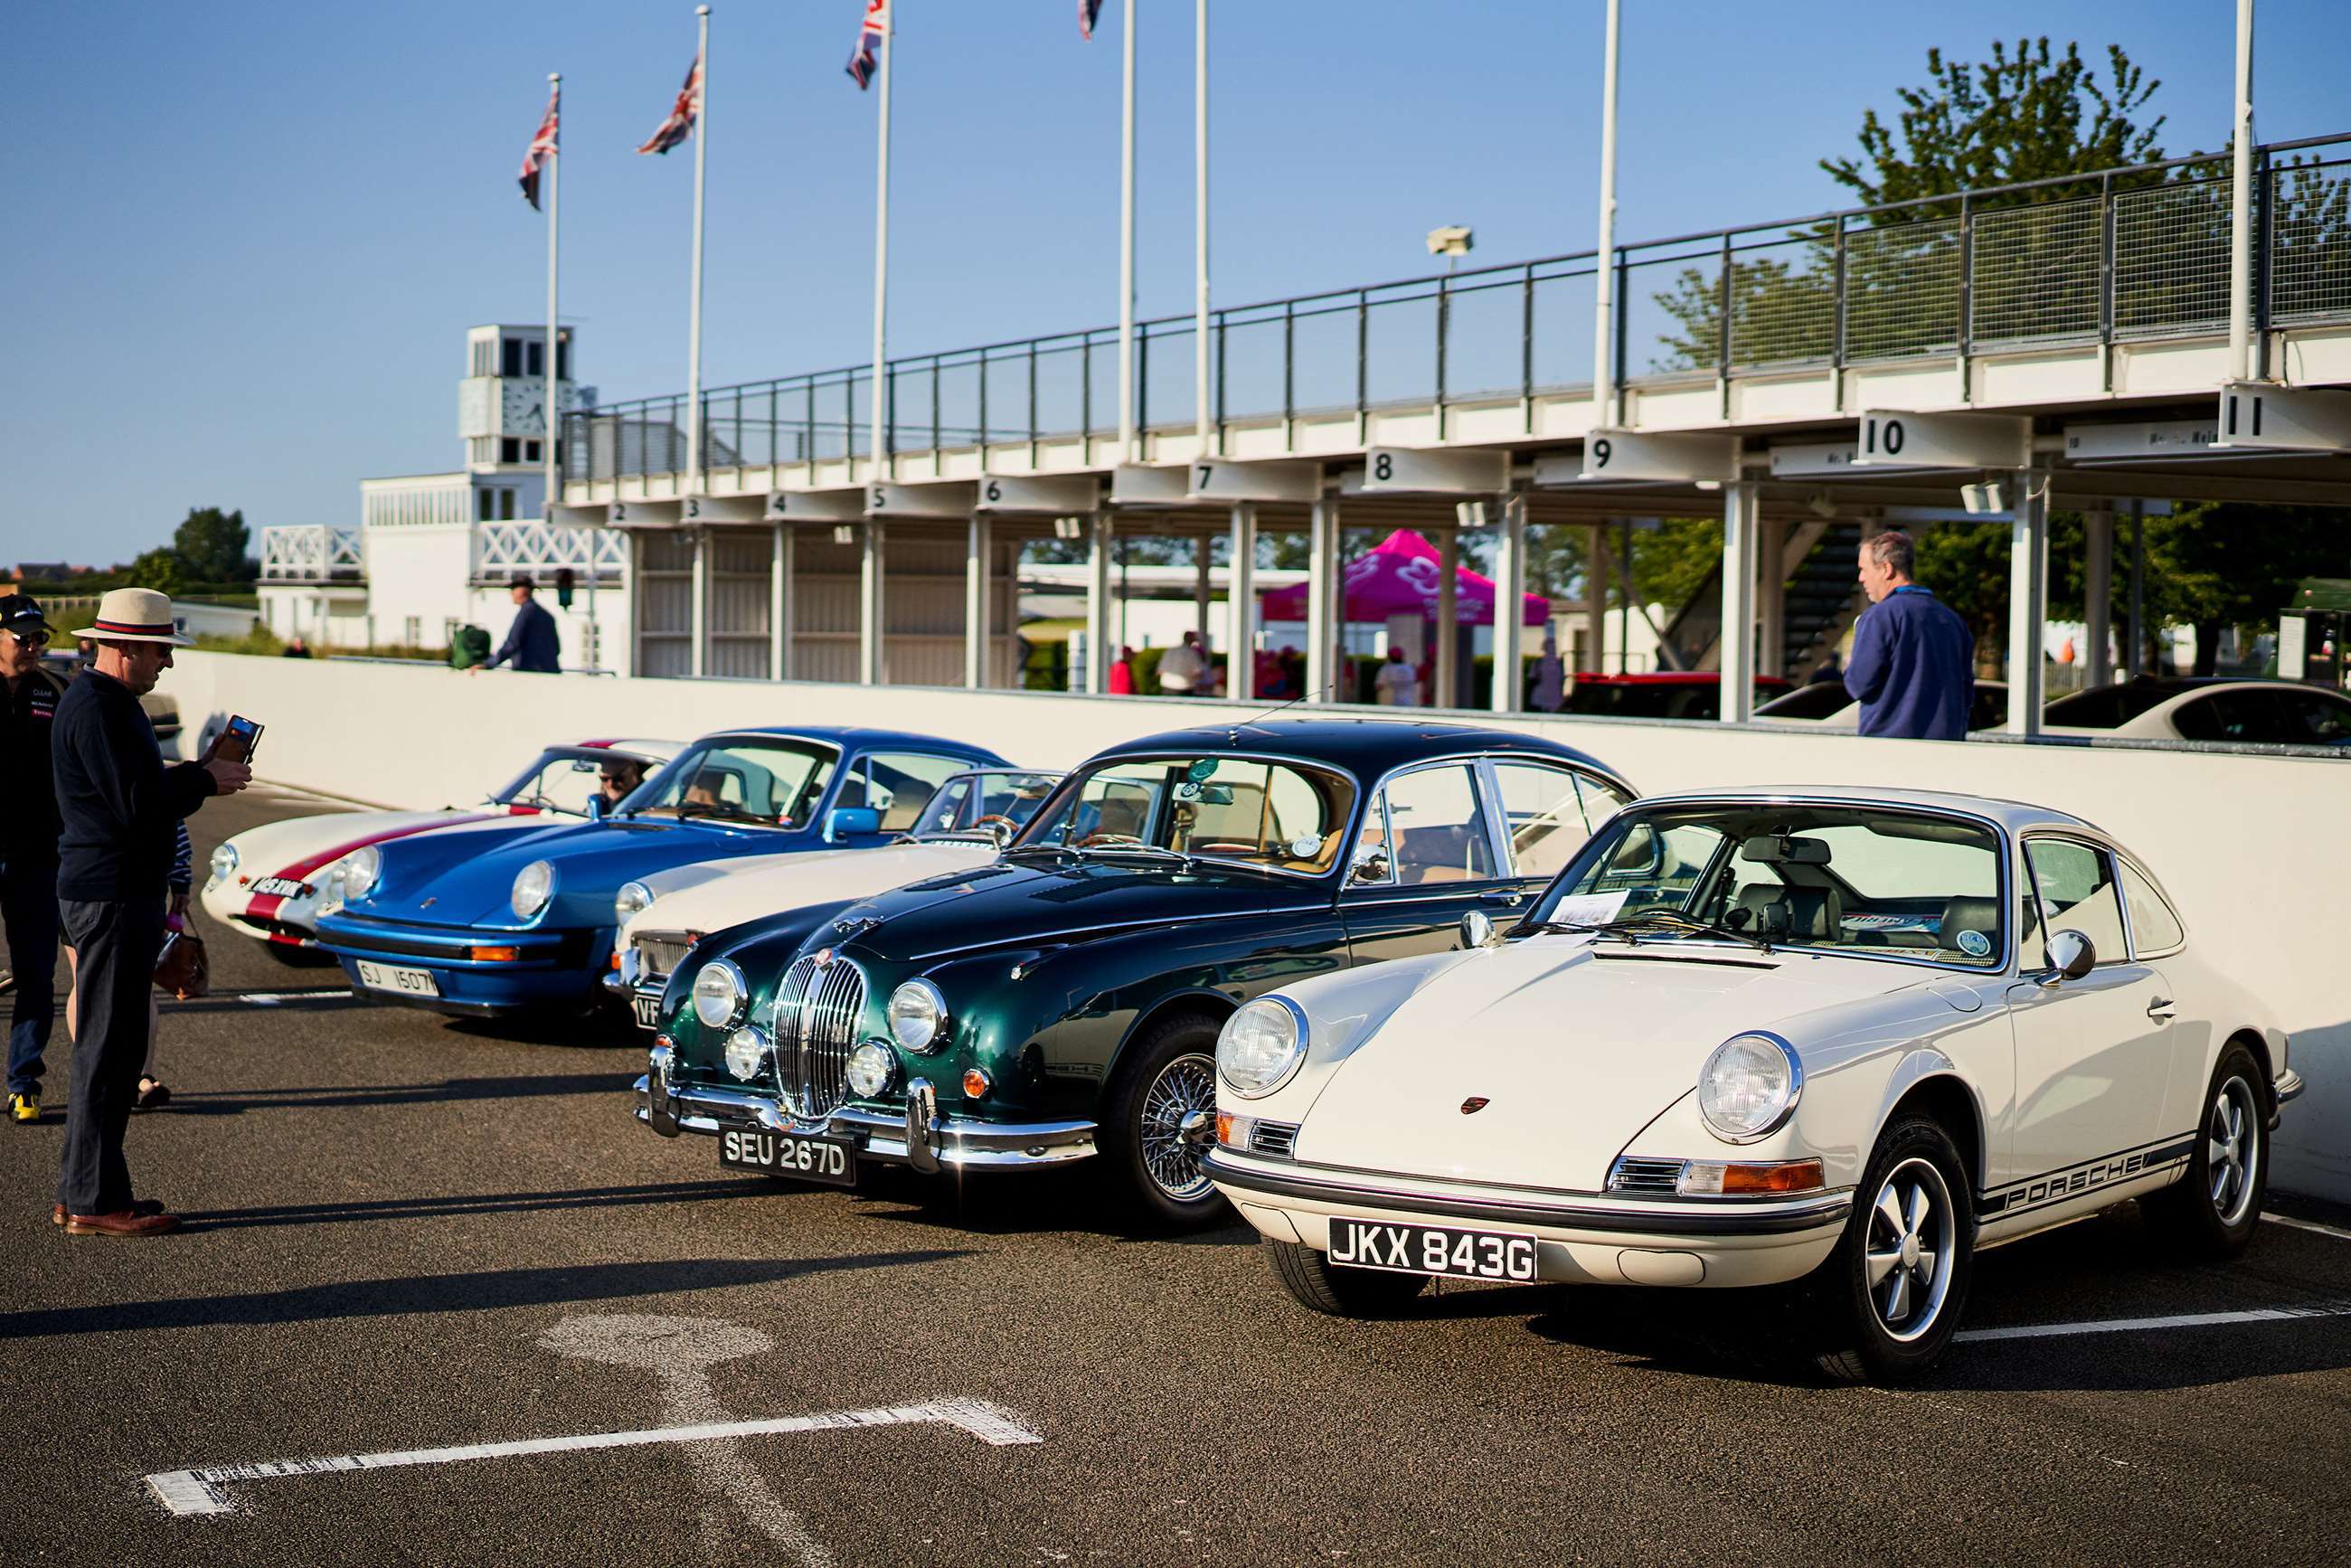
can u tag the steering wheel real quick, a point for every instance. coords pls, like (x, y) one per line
(1221, 846)
(994, 817)
(1091, 839)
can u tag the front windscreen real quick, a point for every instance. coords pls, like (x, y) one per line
(1280, 815)
(977, 802)
(773, 782)
(1862, 880)
(566, 781)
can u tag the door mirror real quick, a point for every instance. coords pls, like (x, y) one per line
(2070, 956)
(1371, 865)
(1476, 929)
(844, 820)
(596, 807)
(1643, 853)
(999, 832)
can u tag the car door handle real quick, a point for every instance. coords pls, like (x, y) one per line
(2159, 1010)
(1511, 896)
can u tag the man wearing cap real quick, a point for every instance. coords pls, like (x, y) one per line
(530, 641)
(28, 845)
(121, 808)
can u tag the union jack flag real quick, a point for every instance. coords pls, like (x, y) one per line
(1089, 12)
(682, 115)
(865, 60)
(542, 148)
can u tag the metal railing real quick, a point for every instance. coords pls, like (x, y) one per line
(538, 550)
(311, 552)
(2106, 259)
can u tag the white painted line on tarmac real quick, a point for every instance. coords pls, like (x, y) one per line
(2182, 1321)
(2336, 1231)
(206, 1490)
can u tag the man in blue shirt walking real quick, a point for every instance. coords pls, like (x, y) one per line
(531, 643)
(1913, 663)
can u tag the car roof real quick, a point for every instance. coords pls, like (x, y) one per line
(1366, 746)
(856, 738)
(2015, 816)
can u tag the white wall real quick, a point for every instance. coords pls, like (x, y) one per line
(2254, 848)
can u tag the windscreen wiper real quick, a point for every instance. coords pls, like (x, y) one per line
(1674, 919)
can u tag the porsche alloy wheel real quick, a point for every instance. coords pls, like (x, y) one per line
(1889, 1297)
(1911, 1241)
(2212, 1211)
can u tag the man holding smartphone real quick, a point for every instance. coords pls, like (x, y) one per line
(121, 808)
(28, 845)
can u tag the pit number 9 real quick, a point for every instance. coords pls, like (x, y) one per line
(1602, 451)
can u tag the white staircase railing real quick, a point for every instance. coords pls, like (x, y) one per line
(539, 551)
(312, 553)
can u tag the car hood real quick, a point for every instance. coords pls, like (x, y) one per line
(1042, 904)
(1575, 1046)
(297, 846)
(730, 894)
(464, 878)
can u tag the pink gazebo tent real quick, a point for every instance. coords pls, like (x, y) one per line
(1401, 576)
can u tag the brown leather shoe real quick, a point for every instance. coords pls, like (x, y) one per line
(138, 1205)
(121, 1222)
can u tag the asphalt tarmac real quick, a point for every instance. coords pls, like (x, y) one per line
(408, 1234)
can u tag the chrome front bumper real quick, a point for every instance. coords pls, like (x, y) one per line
(921, 1138)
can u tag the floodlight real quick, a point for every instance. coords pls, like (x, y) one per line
(1454, 239)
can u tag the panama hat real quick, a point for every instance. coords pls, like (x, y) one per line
(135, 615)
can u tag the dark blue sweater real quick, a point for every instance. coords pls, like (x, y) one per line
(121, 806)
(1913, 667)
(530, 641)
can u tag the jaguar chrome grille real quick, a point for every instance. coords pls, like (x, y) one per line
(1275, 1138)
(816, 1013)
(1646, 1177)
(660, 953)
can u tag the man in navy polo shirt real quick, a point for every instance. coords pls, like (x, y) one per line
(1913, 663)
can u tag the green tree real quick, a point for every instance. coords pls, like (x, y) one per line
(160, 569)
(213, 544)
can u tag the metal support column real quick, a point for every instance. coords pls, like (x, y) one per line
(779, 606)
(698, 624)
(1095, 677)
(873, 623)
(1595, 602)
(1322, 545)
(1446, 669)
(1509, 602)
(2028, 599)
(2097, 596)
(637, 599)
(1241, 607)
(2136, 662)
(1772, 598)
(1202, 594)
(1740, 512)
(979, 546)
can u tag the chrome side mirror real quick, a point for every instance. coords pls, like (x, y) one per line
(1476, 929)
(1371, 865)
(1000, 833)
(2070, 956)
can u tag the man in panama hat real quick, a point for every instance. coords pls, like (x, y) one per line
(120, 809)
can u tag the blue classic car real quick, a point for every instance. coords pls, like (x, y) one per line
(445, 920)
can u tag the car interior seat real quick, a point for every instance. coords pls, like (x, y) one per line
(1813, 912)
(1978, 914)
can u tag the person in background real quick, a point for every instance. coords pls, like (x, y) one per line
(1830, 672)
(29, 826)
(1184, 669)
(1398, 685)
(1913, 665)
(120, 807)
(1550, 692)
(1268, 678)
(295, 648)
(531, 643)
(1121, 674)
(1293, 668)
(617, 780)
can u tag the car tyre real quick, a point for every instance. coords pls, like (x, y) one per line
(1337, 1290)
(2211, 1212)
(1168, 1073)
(1887, 1301)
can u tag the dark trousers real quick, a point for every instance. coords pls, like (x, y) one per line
(28, 905)
(116, 945)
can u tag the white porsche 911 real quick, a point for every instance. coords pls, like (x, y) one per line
(1845, 1037)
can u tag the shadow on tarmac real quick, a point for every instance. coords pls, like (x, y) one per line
(237, 1102)
(472, 1204)
(417, 1294)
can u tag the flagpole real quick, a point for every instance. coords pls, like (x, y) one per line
(882, 247)
(1603, 389)
(1201, 217)
(549, 386)
(693, 312)
(1126, 453)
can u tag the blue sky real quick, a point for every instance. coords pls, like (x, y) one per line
(246, 241)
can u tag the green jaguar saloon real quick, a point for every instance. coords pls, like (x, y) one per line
(1062, 1002)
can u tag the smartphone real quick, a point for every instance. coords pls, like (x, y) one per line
(238, 742)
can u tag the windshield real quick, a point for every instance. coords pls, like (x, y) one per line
(567, 779)
(974, 802)
(1869, 881)
(775, 782)
(1274, 814)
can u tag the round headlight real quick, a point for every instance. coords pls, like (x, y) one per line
(532, 886)
(719, 994)
(223, 865)
(747, 1053)
(870, 1068)
(361, 867)
(918, 1015)
(1261, 1046)
(633, 897)
(1749, 1087)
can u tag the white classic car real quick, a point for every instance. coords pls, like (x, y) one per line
(269, 882)
(1845, 1037)
(962, 823)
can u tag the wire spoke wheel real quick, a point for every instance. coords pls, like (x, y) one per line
(1911, 1239)
(1185, 1084)
(2232, 1154)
